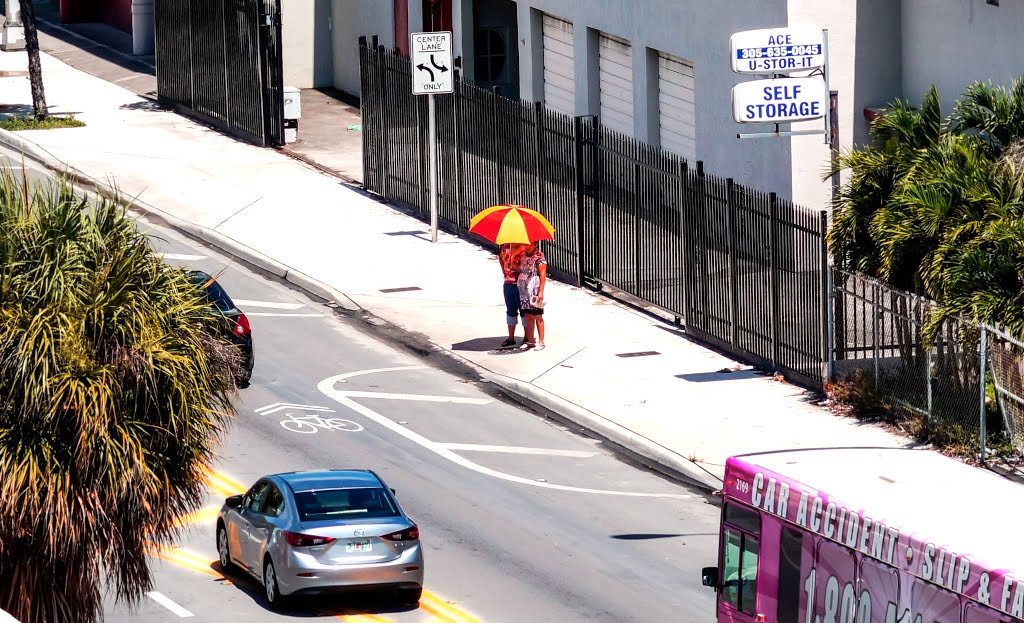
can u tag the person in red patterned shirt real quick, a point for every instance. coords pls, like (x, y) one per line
(508, 257)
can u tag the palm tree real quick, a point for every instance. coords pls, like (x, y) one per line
(995, 113)
(115, 394)
(900, 136)
(35, 68)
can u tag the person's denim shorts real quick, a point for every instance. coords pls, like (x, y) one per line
(513, 306)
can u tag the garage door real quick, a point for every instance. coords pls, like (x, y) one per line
(559, 66)
(616, 69)
(676, 106)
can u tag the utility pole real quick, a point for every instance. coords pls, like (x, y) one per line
(14, 31)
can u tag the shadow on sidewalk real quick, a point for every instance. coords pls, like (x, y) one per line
(490, 345)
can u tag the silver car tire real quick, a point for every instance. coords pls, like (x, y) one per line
(270, 588)
(223, 550)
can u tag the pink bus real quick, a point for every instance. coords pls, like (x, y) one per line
(867, 536)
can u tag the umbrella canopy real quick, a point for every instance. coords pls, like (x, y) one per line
(511, 224)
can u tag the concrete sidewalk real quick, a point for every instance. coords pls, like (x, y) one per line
(684, 408)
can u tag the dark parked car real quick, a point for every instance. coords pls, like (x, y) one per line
(236, 325)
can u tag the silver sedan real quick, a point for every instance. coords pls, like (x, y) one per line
(321, 532)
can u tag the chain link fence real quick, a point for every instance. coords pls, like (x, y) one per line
(935, 387)
(1006, 368)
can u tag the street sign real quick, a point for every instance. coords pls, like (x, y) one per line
(431, 63)
(780, 100)
(777, 50)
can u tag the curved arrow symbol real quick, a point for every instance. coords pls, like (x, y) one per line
(423, 67)
(440, 68)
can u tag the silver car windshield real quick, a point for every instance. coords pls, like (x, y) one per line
(328, 504)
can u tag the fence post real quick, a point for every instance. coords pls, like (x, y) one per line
(826, 307)
(982, 369)
(730, 200)
(684, 242)
(460, 212)
(364, 76)
(499, 169)
(577, 134)
(538, 122)
(773, 220)
(874, 327)
(382, 122)
(704, 279)
(638, 190)
(928, 381)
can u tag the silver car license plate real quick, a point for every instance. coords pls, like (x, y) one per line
(358, 546)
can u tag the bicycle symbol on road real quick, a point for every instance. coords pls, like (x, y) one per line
(310, 423)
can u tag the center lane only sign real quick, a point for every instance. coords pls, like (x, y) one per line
(431, 63)
(779, 100)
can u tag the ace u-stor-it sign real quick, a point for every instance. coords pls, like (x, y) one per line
(779, 100)
(777, 50)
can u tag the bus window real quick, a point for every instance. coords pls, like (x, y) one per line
(835, 598)
(934, 604)
(739, 571)
(790, 578)
(740, 557)
(743, 518)
(975, 613)
(879, 587)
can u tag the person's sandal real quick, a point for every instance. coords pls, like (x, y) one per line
(526, 346)
(539, 346)
(509, 342)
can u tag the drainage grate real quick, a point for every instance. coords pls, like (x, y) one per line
(643, 353)
(406, 289)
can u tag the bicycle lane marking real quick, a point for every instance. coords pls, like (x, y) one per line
(308, 423)
(327, 388)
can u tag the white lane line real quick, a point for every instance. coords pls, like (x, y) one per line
(164, 601)
(419, 397)
(326, 387)
(182, 257)
(268, 314)
(475, 447)
(267, 304)
(280, 406)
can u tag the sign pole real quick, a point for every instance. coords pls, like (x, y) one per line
(432, 73)
(432, 147)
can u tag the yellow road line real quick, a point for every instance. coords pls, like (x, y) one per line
(362, 618)
(202, 515)
(441, 609)
(222, 483)
(185, 558)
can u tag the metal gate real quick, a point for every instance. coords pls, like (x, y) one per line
(220, 61)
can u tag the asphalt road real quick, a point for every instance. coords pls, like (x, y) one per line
(521, 518)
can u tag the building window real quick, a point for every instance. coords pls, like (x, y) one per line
(491, 55)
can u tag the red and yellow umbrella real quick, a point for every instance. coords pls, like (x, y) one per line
(511, 224)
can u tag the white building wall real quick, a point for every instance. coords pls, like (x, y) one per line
(951, 43)
(352, 19)
(693, 30)
(306, 43)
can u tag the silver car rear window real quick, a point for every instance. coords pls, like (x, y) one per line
(344, 504)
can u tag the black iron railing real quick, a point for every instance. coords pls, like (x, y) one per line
(741, 269)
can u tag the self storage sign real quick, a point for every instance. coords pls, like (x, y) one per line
(779, 100)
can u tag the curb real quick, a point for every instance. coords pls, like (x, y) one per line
(646, 451)
(211, 237)
(642, 449)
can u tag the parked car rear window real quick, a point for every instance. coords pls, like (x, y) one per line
(344, 504)
(214, 293)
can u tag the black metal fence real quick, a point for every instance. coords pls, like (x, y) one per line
(741, 269)
(221, 62)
